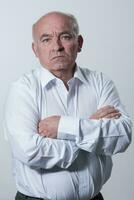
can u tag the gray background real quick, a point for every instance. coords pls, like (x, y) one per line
(108, 29)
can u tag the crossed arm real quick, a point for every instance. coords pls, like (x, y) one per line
(48, 127)
(105, 132)
(108, 131)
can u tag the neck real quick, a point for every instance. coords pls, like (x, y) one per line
(64, 75)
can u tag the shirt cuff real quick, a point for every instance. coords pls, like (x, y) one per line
(68, 128)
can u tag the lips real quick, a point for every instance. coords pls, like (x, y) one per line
(56, 57)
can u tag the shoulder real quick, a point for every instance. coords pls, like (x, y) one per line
(26, 87)
(95, 77)
(21, 96)
(28, 81)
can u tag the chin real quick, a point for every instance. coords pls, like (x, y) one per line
(59, 67)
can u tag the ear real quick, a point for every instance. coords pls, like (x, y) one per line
(80, 43)
(34, 48)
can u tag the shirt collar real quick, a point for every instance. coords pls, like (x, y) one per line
(79, 75)
(47, 76)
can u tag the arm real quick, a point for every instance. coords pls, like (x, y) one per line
(48, 127)
(100, 136)
(21, 119)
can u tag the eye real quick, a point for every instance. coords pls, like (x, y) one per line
(46, 40)
(66, 37)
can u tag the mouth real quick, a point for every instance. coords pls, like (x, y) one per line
(58, 57)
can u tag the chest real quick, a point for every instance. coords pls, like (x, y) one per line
(80, 101)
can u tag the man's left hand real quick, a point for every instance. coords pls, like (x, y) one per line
(48, 127)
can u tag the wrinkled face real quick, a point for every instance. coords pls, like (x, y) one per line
(55, 44)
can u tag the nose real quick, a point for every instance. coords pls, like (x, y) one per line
(57, 45)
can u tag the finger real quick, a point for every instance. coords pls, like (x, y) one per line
(39, 126)
(104, 111)
(42, 126)
(106, 108)
(108, 111)
(42, 129)
(43, 133)
(41, 123)
(113, 115)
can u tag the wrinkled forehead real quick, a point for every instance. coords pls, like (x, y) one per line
(52, 23)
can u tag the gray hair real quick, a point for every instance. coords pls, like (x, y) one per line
(75, 26)
(74, 23)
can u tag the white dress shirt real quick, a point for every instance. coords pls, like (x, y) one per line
(76, 164)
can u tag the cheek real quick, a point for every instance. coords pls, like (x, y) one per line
(72, 50)
(43, 56)
(43, 53)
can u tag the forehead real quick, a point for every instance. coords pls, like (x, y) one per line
(53, 23)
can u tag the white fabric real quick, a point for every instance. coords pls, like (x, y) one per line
(77, 164)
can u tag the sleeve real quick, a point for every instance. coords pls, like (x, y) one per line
(20, 124)
(104, 136)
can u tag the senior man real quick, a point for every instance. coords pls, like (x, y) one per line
(64, 122)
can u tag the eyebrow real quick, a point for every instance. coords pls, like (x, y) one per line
(50, 35)
(44, 35)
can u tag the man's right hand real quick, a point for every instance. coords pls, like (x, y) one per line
(106, 112)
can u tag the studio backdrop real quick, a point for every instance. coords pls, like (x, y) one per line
(108, 31)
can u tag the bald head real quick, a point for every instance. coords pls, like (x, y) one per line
(52, 17)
